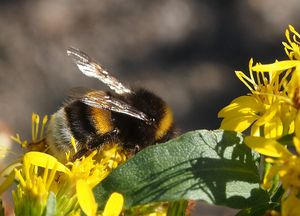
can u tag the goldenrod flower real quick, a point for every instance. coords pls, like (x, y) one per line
(271, 107)
(285, 164)
(31, 195)
(72, 189)
(289, 67)
(87, 172)
(71, 186)
(261, 109)
(292, 49)
(95, 167)
(37, 175)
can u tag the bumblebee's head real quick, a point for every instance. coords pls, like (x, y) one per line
(155, 108)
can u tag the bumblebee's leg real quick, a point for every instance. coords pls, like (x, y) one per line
(99, 140)
(96, 142)
(79, 154)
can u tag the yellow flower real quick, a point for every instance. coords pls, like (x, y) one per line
(72, 187)
(262, 109)
(69, 186)
(289, 67)
(271, 107)
(95, 167)
(87, 172)
(31, 195)
(292, 49)
(285, 165)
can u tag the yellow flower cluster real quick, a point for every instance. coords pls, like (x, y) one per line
(41, 174)
(271, 111)
(41, 177)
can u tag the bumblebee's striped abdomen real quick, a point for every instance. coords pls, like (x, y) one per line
(101, 120)
(59, 135)
(86, 121)
(79, 121)
(165, 124)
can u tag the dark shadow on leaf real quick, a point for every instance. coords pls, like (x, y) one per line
(207, 177)
(214, 166)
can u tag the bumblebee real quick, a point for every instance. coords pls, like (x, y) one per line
(131, 117)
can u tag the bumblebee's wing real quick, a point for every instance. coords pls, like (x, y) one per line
(90, 68)
(101, 100)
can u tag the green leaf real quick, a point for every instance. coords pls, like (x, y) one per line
(177, 208)
(214, 166)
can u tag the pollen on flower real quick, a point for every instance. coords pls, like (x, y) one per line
(97, 165)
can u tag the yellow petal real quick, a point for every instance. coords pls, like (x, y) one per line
(86, 198)
(273, 128)
(268, 147)
(293, 30)
(41, 159)
(243, 104)
(246, 80)
(296, 142)
(238, 123)
(114, 205)
(297, 125)
(255, 130)
(268, 115)
(277, 66)
(290, 206)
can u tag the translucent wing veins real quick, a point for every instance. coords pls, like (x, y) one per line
(90, 68)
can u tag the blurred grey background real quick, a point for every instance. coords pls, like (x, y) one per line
(185, 51)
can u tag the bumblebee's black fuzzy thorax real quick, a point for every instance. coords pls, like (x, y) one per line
(134, 132)
(149, 103)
